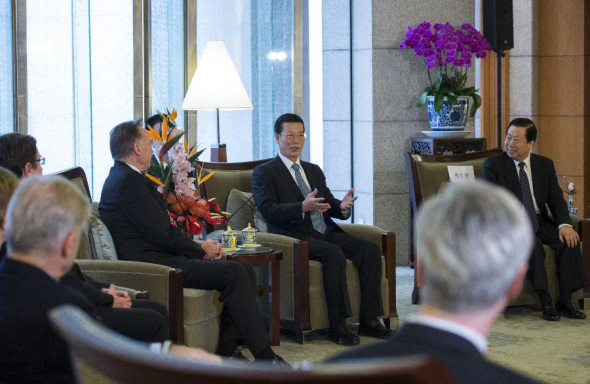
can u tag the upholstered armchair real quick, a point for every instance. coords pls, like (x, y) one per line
(429, 174)
(193, 313)
(303, 303)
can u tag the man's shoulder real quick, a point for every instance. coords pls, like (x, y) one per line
(496, 159)
(539, 159)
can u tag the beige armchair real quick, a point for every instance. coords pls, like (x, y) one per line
(193, 313)
(303, 303)
(429, 174)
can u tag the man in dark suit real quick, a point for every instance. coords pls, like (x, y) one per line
(143, 320)
(468, 277)
(293, 198)
(136, 217)
(44, 222)
(532, 179)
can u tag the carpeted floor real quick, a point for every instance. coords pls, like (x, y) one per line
(552, 352)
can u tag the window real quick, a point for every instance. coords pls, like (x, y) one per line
(6, 79)
(259, 38)
(79, 81)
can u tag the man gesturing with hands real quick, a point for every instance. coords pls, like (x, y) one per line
(293, 198)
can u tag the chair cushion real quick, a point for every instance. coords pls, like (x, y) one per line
(248, 213)
(104, 247)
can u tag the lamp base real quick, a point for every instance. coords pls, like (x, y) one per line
(218, 153)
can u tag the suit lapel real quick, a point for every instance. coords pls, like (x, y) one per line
(309, 174)
(537, 176)
(288, 180)
(512, 176)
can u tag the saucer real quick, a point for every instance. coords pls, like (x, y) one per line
(446, 134)
(249, 246)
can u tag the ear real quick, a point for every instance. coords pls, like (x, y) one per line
(71, 245)
(277, 135)
(27, 170)
(518, 282)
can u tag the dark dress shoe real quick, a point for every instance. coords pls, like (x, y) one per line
(344, 336)
(238, 355)
(570, 310)
(549, 311)
(374, 329)
(278, 362)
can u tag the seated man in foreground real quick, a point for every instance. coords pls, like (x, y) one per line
(136, 217)
(143, 320)
(531, 178)
(473, 242)
(44, 222)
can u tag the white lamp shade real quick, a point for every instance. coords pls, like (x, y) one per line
(216, 83)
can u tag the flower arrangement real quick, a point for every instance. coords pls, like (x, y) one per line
(570, 187)
(447, 53)
(171, 170)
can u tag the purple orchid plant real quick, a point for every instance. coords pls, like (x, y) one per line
(447, 53)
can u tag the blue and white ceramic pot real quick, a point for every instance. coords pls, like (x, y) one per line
(452, 117)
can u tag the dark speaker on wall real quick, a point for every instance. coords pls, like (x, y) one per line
(497, 24)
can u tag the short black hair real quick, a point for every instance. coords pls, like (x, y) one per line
(123, 136)
(153, 120)
(523, 122)
(287, 118)
(16, 150)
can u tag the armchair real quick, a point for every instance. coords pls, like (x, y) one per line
(193, 314)
(303, 303)
(428, 174)
(99, 355)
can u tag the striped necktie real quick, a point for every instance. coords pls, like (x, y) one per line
(317, 219)
(527, 196)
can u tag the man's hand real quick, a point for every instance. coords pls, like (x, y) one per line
(569, 236)
(313, 204)
(212, 250)
(121, 299)
(348, 201)
(194, 354)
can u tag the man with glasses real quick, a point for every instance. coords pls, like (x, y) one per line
(19, 154)
(143, 320)
(293, 198)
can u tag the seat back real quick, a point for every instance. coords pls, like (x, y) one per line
(100, 355)
(227, 176)
(429, 173)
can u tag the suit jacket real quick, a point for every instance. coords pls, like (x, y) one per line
(462, 358)
(136, 216)
(92, 289)
(500, 169)
(279, 199)
(30, 350)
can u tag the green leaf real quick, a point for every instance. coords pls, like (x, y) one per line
(195, 156)
(422, 100)
(438, 102)
(476, 104)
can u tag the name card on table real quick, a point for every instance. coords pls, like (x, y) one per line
(460, 173)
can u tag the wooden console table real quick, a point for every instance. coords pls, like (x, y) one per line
(430, 146)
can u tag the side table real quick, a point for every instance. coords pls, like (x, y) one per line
(273, 288)
(430, 146)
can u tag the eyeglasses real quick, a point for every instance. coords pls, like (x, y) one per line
(291, 136)
(41, 160)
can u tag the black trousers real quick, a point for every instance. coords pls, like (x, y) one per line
(568, 261)
(332, 249)
(235, 282)
(146, 320)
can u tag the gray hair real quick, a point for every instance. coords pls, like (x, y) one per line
(472, 239)
(42, 212)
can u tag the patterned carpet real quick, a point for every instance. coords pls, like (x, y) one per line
(552, 352)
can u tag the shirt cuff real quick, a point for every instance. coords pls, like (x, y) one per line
(162, 348)
(346, 214)
(565, 225)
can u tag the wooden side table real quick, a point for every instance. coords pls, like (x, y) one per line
(430, 146)
(273, 288)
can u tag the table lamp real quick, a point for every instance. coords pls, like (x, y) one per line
(216, 85)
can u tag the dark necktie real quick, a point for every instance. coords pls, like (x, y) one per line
(317, 219)
(527, 197)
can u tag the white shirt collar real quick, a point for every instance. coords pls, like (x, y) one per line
(134, 168)
(288, 163)
(474, 337)
(527, 161)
